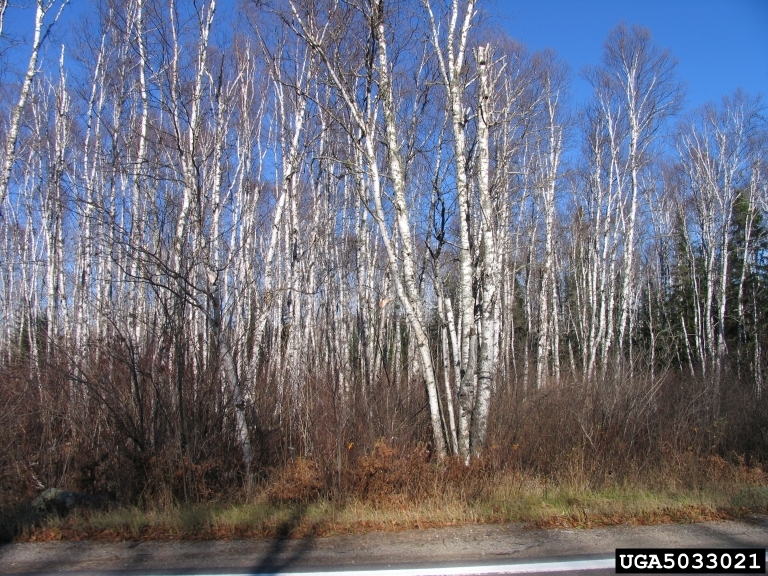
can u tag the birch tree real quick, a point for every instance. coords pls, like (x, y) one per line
(451, 46)
(47, 13)
(714, 152)
(549, 146)
(475, 117)
(636, 91)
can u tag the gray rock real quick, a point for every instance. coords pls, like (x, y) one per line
(62, 502)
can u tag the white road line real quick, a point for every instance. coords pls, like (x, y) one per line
(572, 565)
(482, 570)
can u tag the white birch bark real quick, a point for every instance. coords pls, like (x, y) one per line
(489, 272)
(42, 30)
(3, 8)
(713, 155)
(549, 156)
(451, 55)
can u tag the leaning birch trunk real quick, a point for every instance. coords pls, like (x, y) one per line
(410, 296)
(401, 261)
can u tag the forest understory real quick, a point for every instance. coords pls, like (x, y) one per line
(559, 456)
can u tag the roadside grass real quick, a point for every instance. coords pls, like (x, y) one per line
(503, 497)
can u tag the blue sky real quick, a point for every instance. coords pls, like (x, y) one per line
(720, 45)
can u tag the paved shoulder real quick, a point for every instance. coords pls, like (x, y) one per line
(486, 544)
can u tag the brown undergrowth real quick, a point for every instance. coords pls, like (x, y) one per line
(396, 488)
(572, 453)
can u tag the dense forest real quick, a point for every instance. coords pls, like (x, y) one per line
(234, 237)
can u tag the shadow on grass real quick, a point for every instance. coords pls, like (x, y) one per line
(285, 551)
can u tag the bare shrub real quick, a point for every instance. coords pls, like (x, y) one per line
(638, 431)
(389, 470)
(298, 482)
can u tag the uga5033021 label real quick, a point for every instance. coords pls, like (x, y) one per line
(690, 561)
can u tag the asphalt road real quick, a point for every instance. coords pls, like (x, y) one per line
(430, 552)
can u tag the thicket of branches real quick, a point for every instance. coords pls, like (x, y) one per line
(230, 239)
